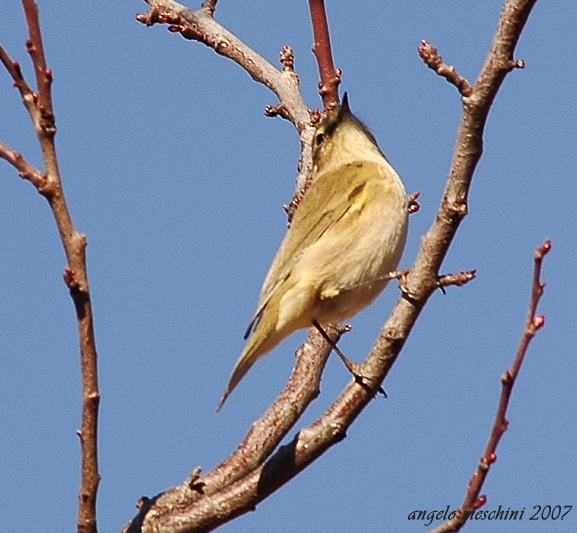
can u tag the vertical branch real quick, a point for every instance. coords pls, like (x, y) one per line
(49, 185)
(330, 77)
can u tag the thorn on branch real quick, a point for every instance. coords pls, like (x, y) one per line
(429, 54)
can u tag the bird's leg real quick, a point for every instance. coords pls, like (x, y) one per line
(352, 367)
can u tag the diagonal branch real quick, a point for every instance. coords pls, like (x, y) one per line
(533, 323)
(201, 26)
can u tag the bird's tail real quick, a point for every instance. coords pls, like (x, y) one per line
(262, 341)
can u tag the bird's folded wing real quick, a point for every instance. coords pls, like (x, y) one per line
(322, 206)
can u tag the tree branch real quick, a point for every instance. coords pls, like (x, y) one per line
(236, 483)
(330, 77)
(40, 109)
(533, 323)
(201, 26)
(429, 54)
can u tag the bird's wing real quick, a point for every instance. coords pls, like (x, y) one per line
(322, 206)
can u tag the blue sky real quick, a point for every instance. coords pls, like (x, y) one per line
(178, 180)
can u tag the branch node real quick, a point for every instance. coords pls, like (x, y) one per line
(192, 481)
(479, 502)
(287, 58)
(277, 110)
(517, 63)
(506, 378)
(412, 205)
(458, 279)
(330, 85)
(537, 323)
(209, 6)
(156, 16)
(70, 279)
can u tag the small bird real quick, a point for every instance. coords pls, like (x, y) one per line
(346, 236)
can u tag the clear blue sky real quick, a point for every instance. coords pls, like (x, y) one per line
(178, 180)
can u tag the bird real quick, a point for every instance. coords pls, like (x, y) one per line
(347, 234)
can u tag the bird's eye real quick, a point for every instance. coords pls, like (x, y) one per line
(319, 138)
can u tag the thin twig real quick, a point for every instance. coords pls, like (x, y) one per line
(36, 50)
(458, 278)
(429, 54)
(25, 170)
(533, 323)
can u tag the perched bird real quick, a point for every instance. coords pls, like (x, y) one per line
(346, 236)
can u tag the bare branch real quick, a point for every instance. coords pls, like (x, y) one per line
(29, 97)
(533, 323)
(42, 72)
(235, 482)
(200, 26)
(330, 77)
(40, 109)
(434, 61)
(458, 279)
(24, 168)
